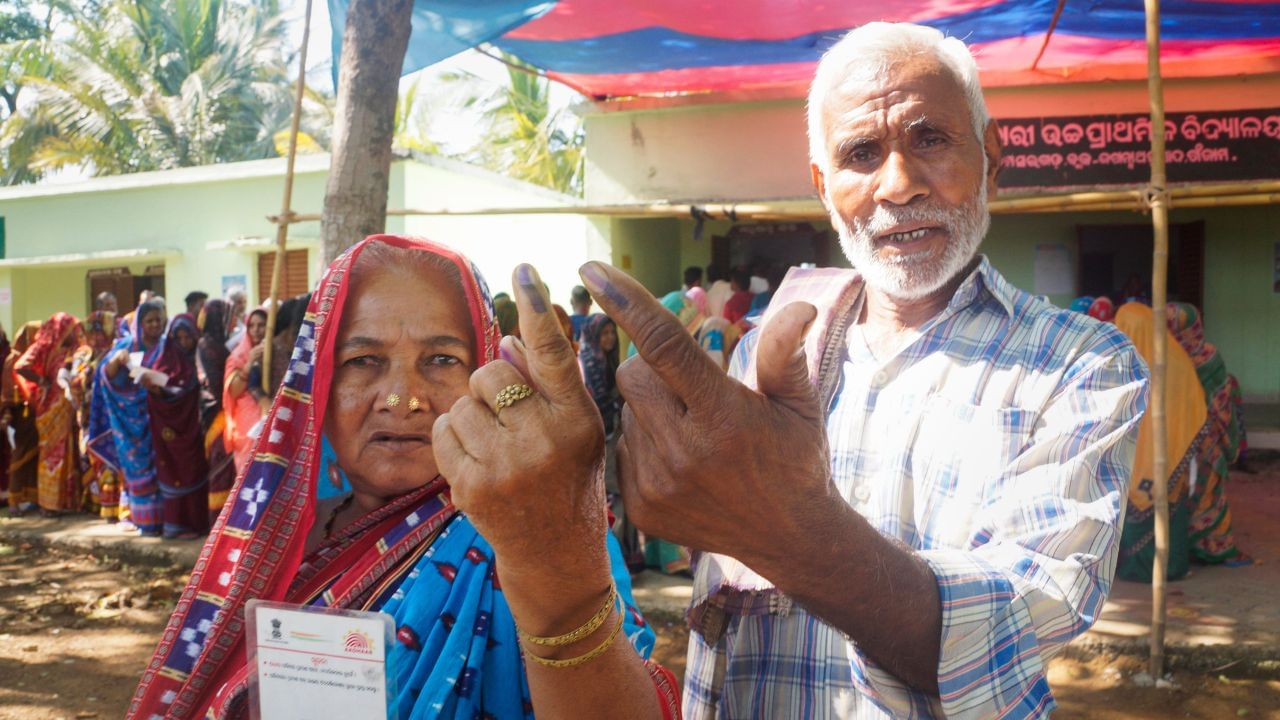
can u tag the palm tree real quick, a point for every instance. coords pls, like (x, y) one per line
(156, 84)
(523, 137)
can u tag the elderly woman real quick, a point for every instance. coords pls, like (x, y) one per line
(455, 461)
(41, 372)
(119, 420)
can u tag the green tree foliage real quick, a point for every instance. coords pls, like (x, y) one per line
(523, 137)
(133, 85)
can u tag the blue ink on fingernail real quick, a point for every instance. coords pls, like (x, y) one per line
(529, 284)
(601, 284)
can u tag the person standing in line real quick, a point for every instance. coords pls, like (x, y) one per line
(580, 303)
(43, 375)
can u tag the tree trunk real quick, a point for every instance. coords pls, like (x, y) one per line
(355, 196)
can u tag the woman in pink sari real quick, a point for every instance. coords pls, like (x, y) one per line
(242, 397)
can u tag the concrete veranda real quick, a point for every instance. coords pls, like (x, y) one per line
(1216, 615)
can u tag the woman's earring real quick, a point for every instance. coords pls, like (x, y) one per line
(413, 403)
(393, 400)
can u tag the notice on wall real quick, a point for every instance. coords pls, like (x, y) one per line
(6, 296)
(318, 663)
(1053, 274)
(1092, 150)
(234, 281)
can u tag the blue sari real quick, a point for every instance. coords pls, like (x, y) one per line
(120, 432)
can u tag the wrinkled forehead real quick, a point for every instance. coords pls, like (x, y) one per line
(892, 93)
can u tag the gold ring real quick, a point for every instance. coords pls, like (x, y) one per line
(512, 394)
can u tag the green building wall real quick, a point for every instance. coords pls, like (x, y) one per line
(1241, 309)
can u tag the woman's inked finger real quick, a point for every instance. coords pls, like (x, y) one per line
(552, 364)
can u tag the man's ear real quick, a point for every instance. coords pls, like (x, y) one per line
(991, 148)
(819, 184)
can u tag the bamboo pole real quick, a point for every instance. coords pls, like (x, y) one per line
(1159, 268)
(286, 213)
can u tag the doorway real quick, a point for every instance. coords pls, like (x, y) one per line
(1115, 260)
(770, 249)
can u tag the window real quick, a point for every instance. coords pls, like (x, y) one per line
(293, 276)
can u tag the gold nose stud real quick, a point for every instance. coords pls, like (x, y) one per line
(393, 400)
(413, 403)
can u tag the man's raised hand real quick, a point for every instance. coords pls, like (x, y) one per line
(703, 460)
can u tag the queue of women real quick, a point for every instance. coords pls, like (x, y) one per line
(142, 419)
(1206, 437)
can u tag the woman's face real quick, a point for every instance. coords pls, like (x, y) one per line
(608, 337)
(404, 331)
(186, 339)
(152, 326)
(256, 326)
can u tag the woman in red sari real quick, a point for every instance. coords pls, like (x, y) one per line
(242, 398)
(38, 373)
(396, 364)
(174, 411)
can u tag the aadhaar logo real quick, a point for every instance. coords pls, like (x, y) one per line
(357, 642)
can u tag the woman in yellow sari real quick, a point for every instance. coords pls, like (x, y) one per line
(1185, 415)
(42, 372)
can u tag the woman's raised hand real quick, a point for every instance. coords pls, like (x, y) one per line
(530, 474)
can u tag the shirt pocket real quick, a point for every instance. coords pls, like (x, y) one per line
(958, 455)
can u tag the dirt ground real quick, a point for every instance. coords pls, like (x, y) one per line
(76, 629)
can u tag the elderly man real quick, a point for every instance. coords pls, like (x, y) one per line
(912, 500)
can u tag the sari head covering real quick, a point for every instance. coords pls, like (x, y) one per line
(416, 558)
(1185, 417)
(674, 301)
(599, 369)
(1102, 309)
(1081, 304)
(47, 354)
(120, 426)
(211, 356)
(695, 310)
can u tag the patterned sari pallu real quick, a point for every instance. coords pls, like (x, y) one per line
(417, 559)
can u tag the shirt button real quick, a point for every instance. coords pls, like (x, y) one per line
(861, 493)
(880, 378)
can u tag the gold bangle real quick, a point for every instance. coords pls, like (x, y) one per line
(583, 630)
(592, 654)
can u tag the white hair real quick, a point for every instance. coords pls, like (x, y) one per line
(876, 47)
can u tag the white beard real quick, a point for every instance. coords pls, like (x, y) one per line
(911, 277)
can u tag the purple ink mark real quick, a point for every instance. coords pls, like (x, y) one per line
(505, 354)
(599, 283)
(529, 284)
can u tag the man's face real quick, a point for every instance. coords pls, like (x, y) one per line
(907, 180)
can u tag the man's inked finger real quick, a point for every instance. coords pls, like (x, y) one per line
(552, 365)
(660, 338)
